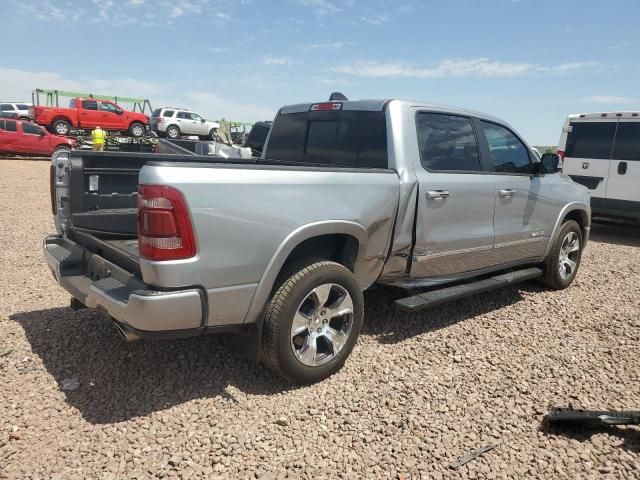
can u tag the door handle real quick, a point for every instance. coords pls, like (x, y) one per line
(622, 168)
(437, 194)
(506, 193)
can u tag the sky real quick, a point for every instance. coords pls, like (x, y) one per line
(529, 62)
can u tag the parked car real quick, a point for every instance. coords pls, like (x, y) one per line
(176, 122)
(20, 109)
(17, 136)
(9, 115)
(88, 113)
(602, 152)
(439, 201)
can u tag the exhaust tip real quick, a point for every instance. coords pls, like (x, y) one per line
(125, 333)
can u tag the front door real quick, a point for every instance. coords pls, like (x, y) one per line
(520, 222)
(199, 125)
(623, 188)
(35, 140)
(109, 118)
(454, 225)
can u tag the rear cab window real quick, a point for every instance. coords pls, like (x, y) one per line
(590, 140)
(343, 138)
(8, 125)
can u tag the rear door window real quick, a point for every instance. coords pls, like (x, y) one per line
(10, 126)
(447, 143)
(22, 106)
(356, 139)
(508, 153)
(627, 145)
(168, 113)
(590, 140)
(183, 115)
(90, 105)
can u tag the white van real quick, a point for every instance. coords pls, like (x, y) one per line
(602, 152)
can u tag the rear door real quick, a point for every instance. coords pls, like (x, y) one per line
(454, 224)
(90, 116)
(623, 187)
(183, 119)
(588, 155)
(9, 137)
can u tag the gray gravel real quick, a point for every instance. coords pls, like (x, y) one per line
(419, 391)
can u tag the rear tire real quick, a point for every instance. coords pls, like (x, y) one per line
(312, 322)
(173, 132)
(137, 129)
(61, 127)
(562, 264)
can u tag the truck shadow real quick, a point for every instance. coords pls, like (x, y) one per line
(389, 326)
(120, 381)
(615, 233)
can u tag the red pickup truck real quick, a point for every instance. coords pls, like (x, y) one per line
(27, 138)
(88, 113)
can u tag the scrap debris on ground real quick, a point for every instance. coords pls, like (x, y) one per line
(418, 393)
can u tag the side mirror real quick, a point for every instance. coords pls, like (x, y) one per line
(119, 112)
(42, 133)
(550, 162)
(202, 120)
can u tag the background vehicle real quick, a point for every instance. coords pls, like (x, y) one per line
(22, 137)
(257, 137)
(438, 200)
(175, 122)
(21, 109)
(10, 115)
(88, 113)
(602, 152)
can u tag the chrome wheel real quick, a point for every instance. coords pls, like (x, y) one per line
(569, 254)
(322, 324)
(137, 130)
(172, 132)
(61, 128)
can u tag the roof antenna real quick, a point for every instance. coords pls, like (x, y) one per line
(338, 96)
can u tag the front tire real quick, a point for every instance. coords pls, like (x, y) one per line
(312, 322)
(562, 264)
(137, 129)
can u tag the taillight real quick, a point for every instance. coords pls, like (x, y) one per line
(52, 189)
(164, 226)
(561, 154)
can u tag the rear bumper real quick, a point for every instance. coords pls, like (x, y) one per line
(98, 283)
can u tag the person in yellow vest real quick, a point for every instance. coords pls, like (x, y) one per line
(97, 137)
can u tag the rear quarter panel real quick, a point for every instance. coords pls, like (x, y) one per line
(247, 219)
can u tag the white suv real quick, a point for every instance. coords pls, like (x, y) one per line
(21, 109)
(176, 122)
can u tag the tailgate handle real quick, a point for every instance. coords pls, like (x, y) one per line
(622, 168)
(437, 194)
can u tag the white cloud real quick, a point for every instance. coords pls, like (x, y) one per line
(323, 46)
(320, 7)
(479, 67)
(612, 100)
(456, 68)
(215, 107)
(272, 60)
(374, 19)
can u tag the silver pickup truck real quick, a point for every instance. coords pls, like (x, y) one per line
(439, 201)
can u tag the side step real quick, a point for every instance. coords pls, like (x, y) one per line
(433, 298)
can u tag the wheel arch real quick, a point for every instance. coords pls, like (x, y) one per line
(343, 241)
(577, 211)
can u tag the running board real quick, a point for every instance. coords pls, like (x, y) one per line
(433, 298)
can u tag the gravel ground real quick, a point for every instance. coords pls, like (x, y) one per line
(418, 392)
